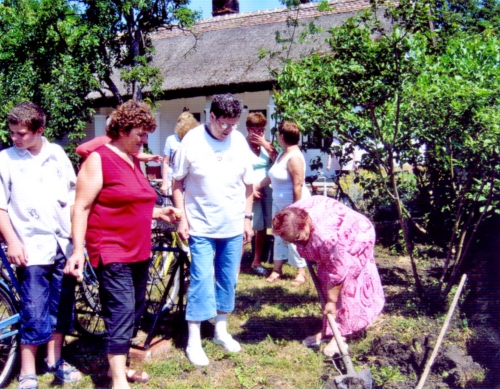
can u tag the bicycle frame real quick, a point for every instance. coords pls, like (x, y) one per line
(10, 272)
(13, 280)
(183, 258)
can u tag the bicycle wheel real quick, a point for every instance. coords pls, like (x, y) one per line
(8, 336)
(88, 319)
(162, 272)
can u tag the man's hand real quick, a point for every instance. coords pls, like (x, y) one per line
(183, 229)
(247, 231)
(16, 254)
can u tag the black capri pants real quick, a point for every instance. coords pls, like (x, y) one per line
(122, 289)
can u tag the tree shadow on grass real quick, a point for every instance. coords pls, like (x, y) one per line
(277, 326)
(257, 329)
(87, 355)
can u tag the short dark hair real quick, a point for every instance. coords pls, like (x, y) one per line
(28, 114)
(226, 106)
(290, 132)
(256, 119)
(129, 115)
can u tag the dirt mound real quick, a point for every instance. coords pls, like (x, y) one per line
(451, 368)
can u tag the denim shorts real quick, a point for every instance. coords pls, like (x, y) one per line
(47, 299)
(263, 210)
(214, 272)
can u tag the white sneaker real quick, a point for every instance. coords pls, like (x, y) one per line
(228, 343)
(197, 356)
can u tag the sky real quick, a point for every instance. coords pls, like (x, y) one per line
(245, 6)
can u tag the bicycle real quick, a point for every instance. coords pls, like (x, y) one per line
(88, 318)
(331, 187)
(9, 318)
(166, 248)
(168, 279)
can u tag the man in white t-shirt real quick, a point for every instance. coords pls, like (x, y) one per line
(214, 164)
(37, 192)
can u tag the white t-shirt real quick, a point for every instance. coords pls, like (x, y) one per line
(171, 145)
(37, 193)
(216, 172)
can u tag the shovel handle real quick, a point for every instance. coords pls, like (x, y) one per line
(342, 346)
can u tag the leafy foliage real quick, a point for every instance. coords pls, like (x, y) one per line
(56, 52)
(422, 91)
(40, 60)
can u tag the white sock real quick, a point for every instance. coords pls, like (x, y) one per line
(194, 339)
(221, 326)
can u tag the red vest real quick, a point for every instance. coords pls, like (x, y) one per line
(119, 224)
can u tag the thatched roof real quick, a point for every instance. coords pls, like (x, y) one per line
(221, 54)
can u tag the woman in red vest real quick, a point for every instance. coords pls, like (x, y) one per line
(113, 212)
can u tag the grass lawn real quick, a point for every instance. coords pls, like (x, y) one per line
(270, 321)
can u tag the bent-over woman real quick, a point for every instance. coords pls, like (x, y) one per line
(341, 241)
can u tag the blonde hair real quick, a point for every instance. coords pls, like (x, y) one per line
(185, 122)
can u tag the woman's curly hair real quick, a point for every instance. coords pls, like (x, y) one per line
(185, 122)
(129, 115)
(289, 218)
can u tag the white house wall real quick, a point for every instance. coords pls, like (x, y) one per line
(168, 111)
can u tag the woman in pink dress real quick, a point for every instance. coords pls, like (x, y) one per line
(341, 242)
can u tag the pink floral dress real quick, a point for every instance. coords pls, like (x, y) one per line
(342, 243)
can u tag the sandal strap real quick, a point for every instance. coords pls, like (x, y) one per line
(64, 374)
(27, 377)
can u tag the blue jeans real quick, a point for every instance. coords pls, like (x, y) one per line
(212, 257)
(47, 298)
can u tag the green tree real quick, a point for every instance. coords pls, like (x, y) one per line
(388, 89)
(56, 52)
(122, 40)
(40, 61)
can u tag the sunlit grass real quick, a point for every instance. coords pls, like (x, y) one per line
(270, 321)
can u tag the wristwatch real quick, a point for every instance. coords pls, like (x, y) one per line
(249, 217)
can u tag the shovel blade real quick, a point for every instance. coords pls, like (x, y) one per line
(361, 380)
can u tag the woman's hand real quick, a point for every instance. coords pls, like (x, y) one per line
(143, 157)
(167, 214)
(74, 265)
(257, 194)
(330, 308)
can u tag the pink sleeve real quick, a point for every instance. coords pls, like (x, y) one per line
(333, 265)
(86, 148)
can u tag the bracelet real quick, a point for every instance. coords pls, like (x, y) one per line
(249, 217)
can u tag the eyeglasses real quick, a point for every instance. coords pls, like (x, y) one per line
(226, 125)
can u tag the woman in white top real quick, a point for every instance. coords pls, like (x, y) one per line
(287, 179)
